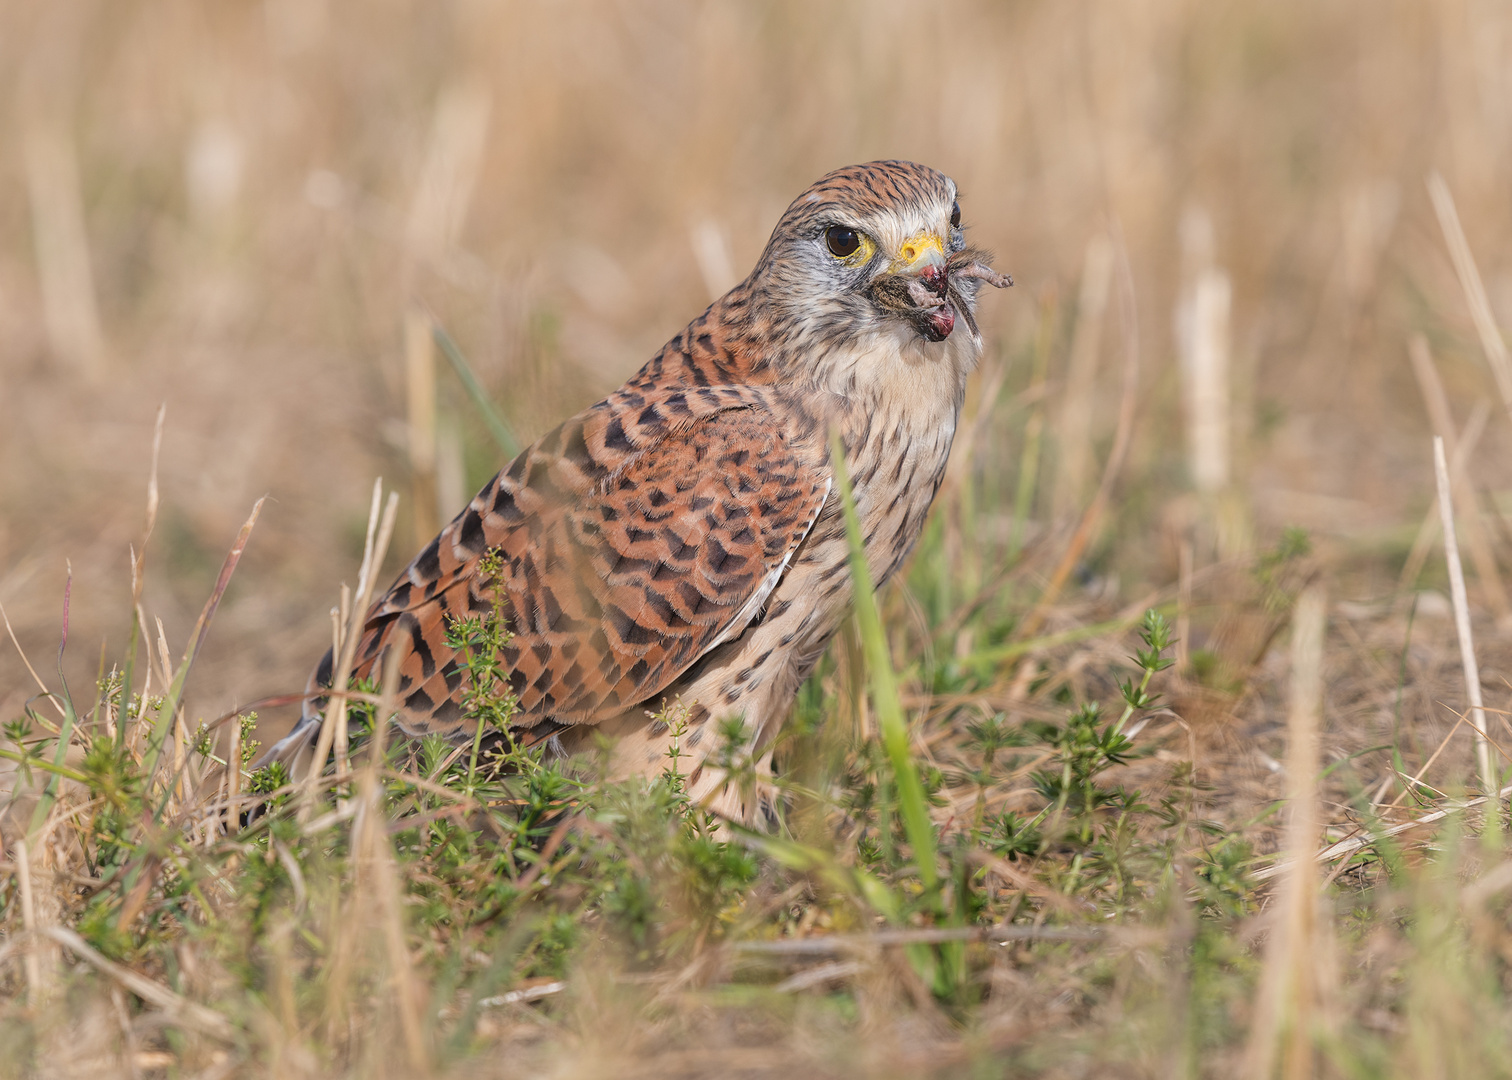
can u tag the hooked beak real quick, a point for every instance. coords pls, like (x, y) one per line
(917, 286)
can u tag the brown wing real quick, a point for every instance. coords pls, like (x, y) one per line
(612, 584)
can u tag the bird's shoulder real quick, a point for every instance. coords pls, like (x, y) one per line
(620, 548)
(704, 405)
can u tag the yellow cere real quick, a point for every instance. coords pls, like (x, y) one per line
(919, 246)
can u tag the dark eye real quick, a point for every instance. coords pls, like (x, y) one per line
(955, 215)
(841, 241)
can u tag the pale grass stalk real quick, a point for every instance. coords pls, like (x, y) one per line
(192, 772)
(347, 938)
(1205, 354)
(174, 697)
(340, 613)
(1416, 779)
(1428, 531)
(1202, 346)
(128, 1035)
(138, 579)
(138, 563)
(32, 963)
(1462, 629)
(1289, 1001)
(1492, 342)
(1205, 371)
(165, 656)
(139, 559)
(146, 679)
(449, 172)
(384, 892)
(1437, 403)
(366, 583)
(388, 706)
(281, 999)
(1350, 845)
(183, 787)
(61, 241)
(443, 195)
(333, 728)
(152, 657)
(234, 762)
(177, 800)
(225, 803)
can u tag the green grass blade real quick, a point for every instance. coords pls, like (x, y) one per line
(911, 801)
(497, 426)
(1001, 654)
(56, 769)
(805, 859)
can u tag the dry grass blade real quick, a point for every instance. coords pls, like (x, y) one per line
(818, 976)
(832, 944)
(1428, 531)
(1462, 628)
(1349, 845)
(197, 639)
(139, 558)
(533, 993)
(1437, 403)
(61, 240)
(333, 730)
(383, 891)
(1469, 276)
(179, 1009)
(1289, 989)
(35, 985)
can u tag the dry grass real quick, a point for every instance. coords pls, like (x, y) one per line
(248, 212)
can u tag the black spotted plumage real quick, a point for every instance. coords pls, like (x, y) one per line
(678, 545)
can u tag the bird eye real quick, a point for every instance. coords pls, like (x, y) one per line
(955, 215)
(841, 241)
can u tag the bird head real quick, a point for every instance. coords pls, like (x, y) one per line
(873, 248)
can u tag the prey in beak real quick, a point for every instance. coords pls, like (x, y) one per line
(922, 285)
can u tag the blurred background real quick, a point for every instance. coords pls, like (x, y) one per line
(236, 210)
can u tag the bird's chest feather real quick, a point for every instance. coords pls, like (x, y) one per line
(898, 430)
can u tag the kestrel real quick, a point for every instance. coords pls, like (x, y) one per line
(682, 539)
